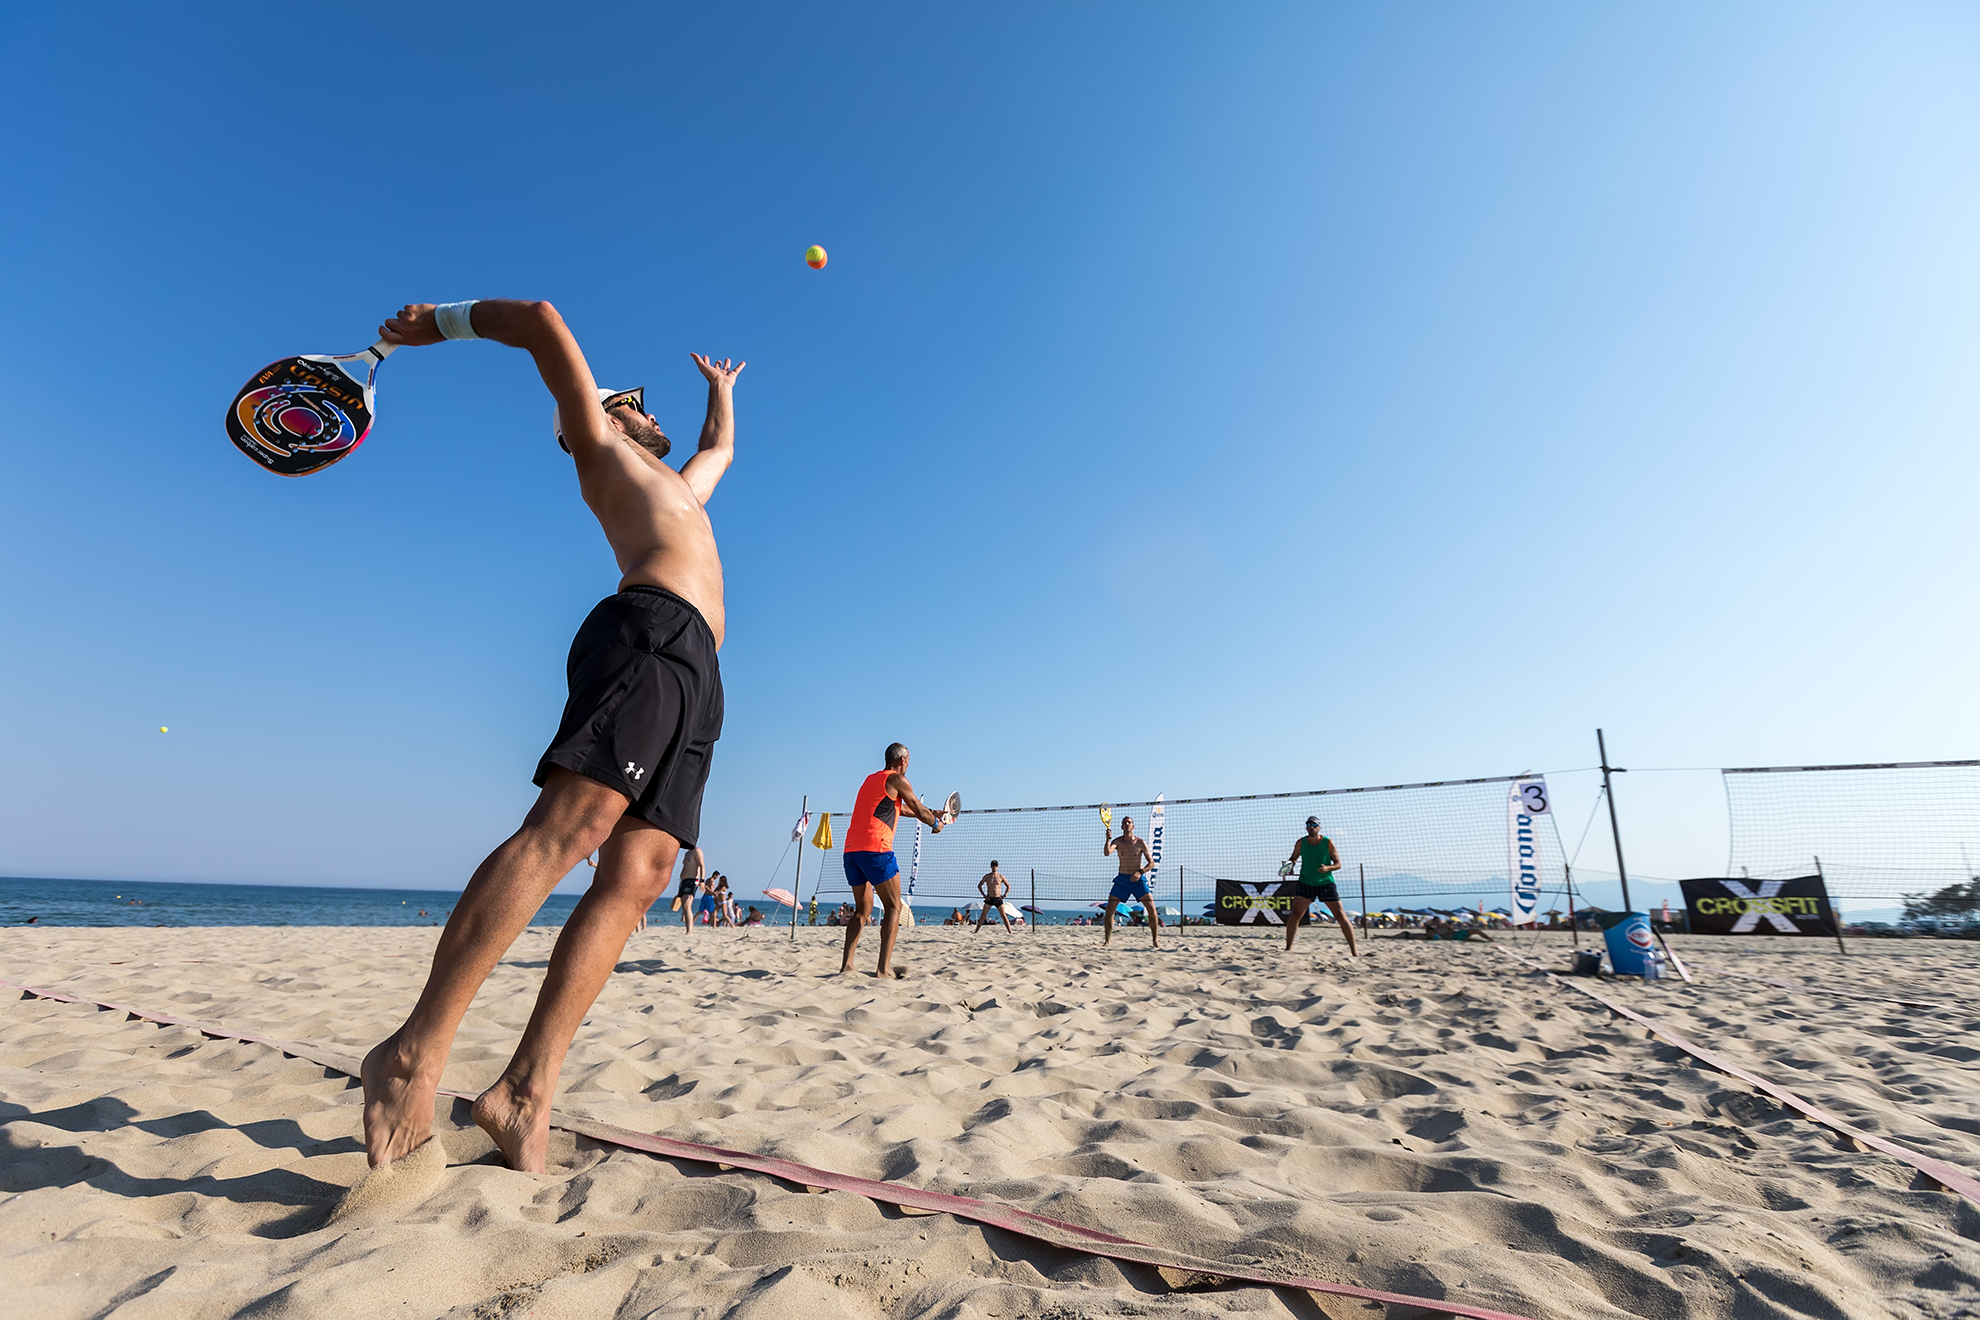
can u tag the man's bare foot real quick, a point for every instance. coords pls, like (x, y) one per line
(520, 1129)
(398, 1102)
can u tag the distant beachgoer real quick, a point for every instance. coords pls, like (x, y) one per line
(871, 867)
(1131, 883)
(755, 917)
(729, 911)
(693, 867)
(704, 899)
(1318, 860)
(993, 886)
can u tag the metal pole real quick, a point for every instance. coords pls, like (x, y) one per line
(1574, 932)
(1835, 920)
(1362, 868)
(797, 877)
(1034, 900)
(1615, 829)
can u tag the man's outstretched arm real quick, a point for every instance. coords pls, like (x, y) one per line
(914, 805)
(535, 328)
(718, 434)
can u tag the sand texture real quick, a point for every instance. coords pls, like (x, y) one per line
(1434, 1120)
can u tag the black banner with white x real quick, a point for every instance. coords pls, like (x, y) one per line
(1759, 907)
(1243, 903)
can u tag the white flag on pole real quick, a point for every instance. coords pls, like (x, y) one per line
(1527, 801)
(797, 830)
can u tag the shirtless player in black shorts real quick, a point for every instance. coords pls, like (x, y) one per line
(624, 774)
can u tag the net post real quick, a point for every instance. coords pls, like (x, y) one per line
(1361, 868)
(797, 876)
(1574, 931)
(1835, 917)
(1615, 830)
(1034, 900)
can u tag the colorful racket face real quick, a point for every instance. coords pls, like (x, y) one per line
(302, 414)
(951, 809)
(1106, 815)
(1285, 869)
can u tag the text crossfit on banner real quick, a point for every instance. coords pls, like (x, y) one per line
(1263, 902)
(1759, 907)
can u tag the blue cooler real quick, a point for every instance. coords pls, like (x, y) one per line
(1632, 948)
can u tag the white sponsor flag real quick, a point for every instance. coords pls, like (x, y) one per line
(797, 830)
(1154, 843)
(1524, 805)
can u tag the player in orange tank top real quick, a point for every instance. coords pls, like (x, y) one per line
(869, 852)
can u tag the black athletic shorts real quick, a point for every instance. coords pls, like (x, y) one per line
(645, 707)
(1324, 892)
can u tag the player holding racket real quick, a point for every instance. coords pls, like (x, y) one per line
(624, 774)
(1318, 860)
(871, 867)
(1132, 882)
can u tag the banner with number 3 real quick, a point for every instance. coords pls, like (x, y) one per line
(1527, 800)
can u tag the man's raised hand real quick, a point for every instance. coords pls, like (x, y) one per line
(721, 374)
(414, 325)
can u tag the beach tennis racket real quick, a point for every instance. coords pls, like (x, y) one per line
(1106, 815)
(950, 810)
(1285, 869)
(302, 414)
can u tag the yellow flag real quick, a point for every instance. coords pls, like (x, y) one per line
(822, 836)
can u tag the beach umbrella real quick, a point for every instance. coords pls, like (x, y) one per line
(1026, 907)
(1168, 912)
(781, 896)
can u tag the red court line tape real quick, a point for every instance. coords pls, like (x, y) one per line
(1946, 1175)
(1039, 1228)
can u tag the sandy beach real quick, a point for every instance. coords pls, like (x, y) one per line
(1437, 1120)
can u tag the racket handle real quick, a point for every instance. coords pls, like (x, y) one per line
(381, 350)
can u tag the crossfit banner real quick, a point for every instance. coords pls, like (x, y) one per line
(1524, 806)
(1759, 907)
(1245, 903)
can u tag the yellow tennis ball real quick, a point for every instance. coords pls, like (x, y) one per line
(814, 257)
(163, 729)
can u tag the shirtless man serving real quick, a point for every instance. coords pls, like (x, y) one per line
(624, 774)
(1131, 882)
(994, 886)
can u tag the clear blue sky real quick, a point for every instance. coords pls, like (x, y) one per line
(1199, 399)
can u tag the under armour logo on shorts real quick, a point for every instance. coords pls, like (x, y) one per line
(633, 772)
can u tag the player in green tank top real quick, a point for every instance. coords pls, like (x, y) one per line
(1318, 860)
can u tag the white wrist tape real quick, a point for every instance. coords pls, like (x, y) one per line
(453, 320)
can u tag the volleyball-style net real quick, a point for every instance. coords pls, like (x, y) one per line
(1432, 846)
(1881, 831)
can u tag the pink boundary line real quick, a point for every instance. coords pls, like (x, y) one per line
(1039, 1228)
(1946, 1175)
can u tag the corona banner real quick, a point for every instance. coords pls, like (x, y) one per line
(1524, 806)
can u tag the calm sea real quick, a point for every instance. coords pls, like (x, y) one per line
(151, 903)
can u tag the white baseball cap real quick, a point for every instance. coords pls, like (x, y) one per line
(606, 398)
